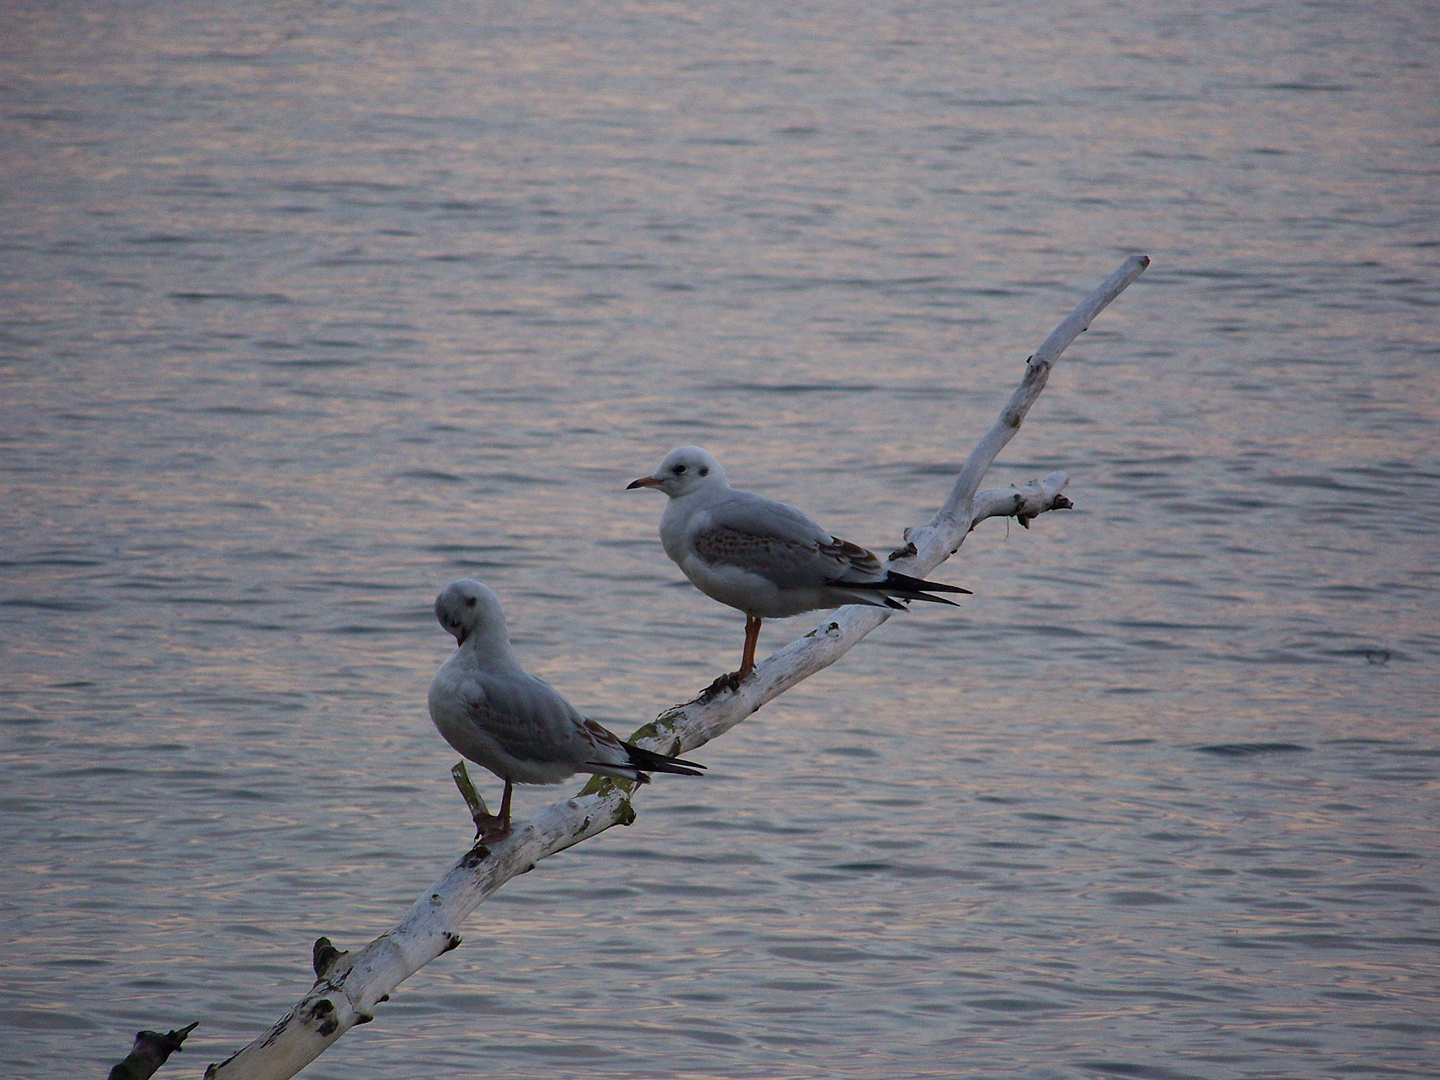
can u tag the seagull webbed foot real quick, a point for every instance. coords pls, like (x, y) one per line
(490, 829)
(727, 683)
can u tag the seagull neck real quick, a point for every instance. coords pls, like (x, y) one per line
(491, 649)
(712, 487)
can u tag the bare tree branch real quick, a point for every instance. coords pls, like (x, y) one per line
(348, 986)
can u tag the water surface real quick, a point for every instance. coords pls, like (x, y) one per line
(310, 309)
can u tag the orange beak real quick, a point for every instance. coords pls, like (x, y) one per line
(643, 482)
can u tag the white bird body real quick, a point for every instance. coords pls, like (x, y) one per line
(517, 726)
(498, 715)
(763, 557)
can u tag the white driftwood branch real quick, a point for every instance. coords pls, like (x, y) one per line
(348, 986)
(1024, 503)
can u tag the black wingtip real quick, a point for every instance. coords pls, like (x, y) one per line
(930, 599)
(906, 583)
(649, 761)
(906, 587)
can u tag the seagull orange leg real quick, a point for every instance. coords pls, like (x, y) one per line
(752, 638)
(731, 680)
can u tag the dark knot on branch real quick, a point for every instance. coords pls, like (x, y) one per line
(323, 956)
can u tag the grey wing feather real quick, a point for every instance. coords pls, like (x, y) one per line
(527, 717)
(778, 542)
(758, 516)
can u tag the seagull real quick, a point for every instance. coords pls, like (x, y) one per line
(763, 557)
(497, 714)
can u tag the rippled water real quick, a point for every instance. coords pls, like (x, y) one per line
(310, 309)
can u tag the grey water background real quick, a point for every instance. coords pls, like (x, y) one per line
(309, 309)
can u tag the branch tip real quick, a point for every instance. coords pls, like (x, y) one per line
(472, 797)
(151, 1050)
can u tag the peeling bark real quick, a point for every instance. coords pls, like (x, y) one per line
(349, 985)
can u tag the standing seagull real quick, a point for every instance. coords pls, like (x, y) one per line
(498, 715)
(763, 557)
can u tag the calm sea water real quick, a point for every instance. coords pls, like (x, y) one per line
(309, 309)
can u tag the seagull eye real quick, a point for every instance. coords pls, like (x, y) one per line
(705, 471)
(679, 469)
(470, 601)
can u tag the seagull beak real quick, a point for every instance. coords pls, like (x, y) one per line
(644, 481)
(460, 638)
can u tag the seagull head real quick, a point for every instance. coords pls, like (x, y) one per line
(467, 608)
(685, 469)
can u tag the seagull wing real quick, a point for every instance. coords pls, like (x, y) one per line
(779, 543)
(527, 718)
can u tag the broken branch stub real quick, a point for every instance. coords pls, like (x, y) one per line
(346, 992)
(152, 1049)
